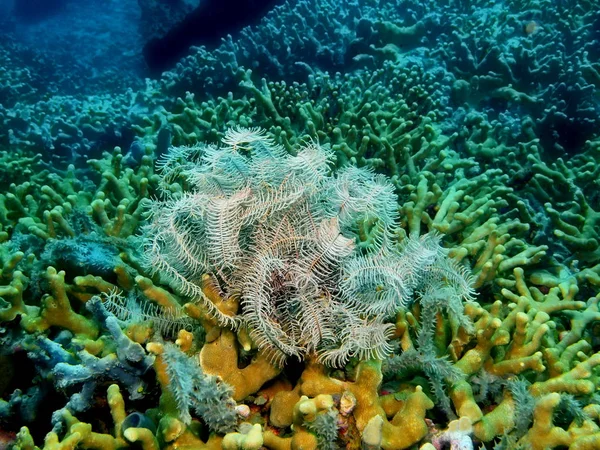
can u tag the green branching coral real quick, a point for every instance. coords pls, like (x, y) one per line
(280, 233)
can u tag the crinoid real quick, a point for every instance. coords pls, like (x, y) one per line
(312, 256)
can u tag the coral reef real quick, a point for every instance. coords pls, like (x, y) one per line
(351, 225)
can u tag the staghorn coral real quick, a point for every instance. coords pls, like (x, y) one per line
(80, 434)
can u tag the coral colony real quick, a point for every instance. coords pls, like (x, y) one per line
(349, 225)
